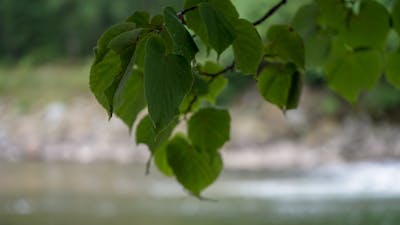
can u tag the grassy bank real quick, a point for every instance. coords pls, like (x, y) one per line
(27, 86)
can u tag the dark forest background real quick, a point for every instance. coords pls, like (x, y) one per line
(48, 29)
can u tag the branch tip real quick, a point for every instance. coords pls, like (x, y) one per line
(270, 12)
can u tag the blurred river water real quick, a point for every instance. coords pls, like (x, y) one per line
(106, 193)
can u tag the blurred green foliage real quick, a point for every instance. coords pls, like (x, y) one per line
(48, 29)
(382, 102)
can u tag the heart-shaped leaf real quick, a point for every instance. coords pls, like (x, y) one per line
(248, 47)
(369, 28)
(393, 68)
(129, 97)
(220, 31)
(332, 13)
(146, 134)
(102, 75)
(350, 72)
(195, 22)
(317, 42)
(160, 158)
(305, 20)
(183, 41)
(209, 129)
(285, 43)
(396, 16)
(140, 18)
(167, 80)
(105, 39)
(195, 170)
(281, 85)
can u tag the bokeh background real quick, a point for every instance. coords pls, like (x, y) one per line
(62, 162)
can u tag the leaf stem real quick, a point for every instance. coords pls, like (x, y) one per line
(270, 12)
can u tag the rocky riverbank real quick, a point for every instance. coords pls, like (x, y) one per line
(262, 137)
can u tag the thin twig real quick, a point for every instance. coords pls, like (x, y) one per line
(270, 12)
(189, 108)
(182, 13)
(213, 76)
(230, 67)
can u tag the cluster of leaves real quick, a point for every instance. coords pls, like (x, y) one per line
(347, 40)
(151, 62)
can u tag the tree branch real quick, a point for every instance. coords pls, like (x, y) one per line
(213, 76)
(270, 12)
(182, 13)
(230, 67)
(189, 108)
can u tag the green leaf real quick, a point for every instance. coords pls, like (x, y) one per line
(317, 42)
(210, 67)
(127, 62)
(209, 129)
(369, 28)
(194, 20)
(393, 68)
(140, 18)
(332, 13)
(169, 43)
(200, 86)
(281, 85)
(199, 89)
(167, 80)
(195, 170)
(196, 23)
(125, 42)
(102, 75)
(129, 97)
(215, 88)
(396, 15)
(317, 49)
(350, 72)
(247, 47)
(182, 40)
(285, 43)
(215, 85)
(157, 20)
(220, 31)
(295, 91)
(160, 159)
(140, 51)
(305, 20)
(103, 43)
(226, 8)
(146, 134)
